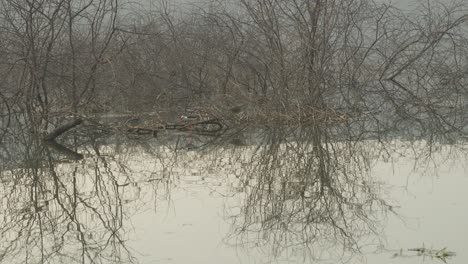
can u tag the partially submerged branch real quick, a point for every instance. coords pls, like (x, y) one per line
(62, 129)
(70, 154)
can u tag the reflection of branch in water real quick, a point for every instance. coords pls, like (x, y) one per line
(58, 214)
(309, 194)
(304, 192)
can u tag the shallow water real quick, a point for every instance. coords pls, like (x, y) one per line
(145, 201)
(432, 200)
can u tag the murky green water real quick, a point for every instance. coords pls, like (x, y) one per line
(267, 200)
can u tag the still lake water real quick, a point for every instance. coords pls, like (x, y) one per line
(264, 201)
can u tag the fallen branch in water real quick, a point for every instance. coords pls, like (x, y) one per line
(62, 129)
(70, 154)
(206, 127)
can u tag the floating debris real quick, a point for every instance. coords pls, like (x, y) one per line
(441, 254)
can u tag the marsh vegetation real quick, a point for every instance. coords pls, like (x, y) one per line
(360, 58)
(279, 109)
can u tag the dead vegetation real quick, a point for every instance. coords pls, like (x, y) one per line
(290, 62)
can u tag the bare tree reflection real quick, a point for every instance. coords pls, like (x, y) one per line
(304, 189)
(53, 212)
(307, 193)
(291, 191)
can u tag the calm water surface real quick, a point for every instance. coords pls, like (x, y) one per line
(266, 201)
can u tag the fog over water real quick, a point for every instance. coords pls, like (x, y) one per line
(163, 132)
